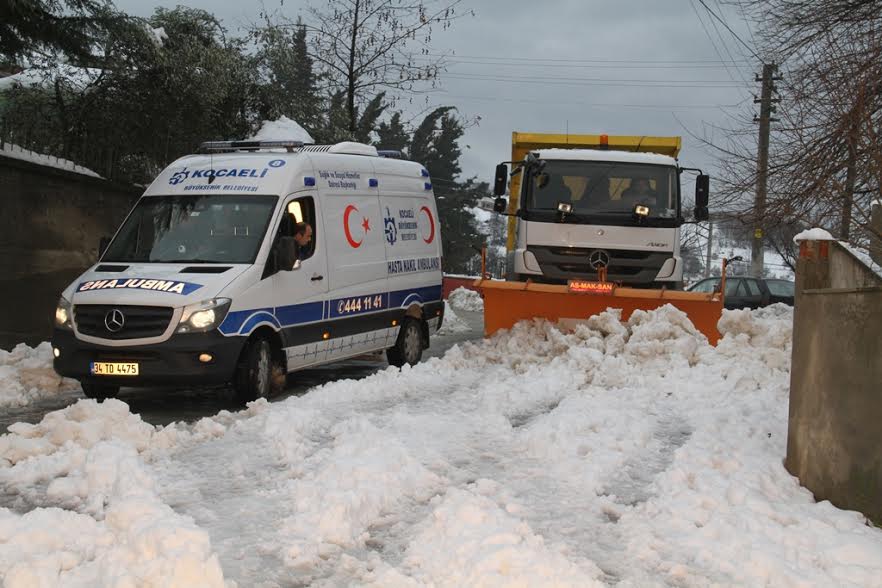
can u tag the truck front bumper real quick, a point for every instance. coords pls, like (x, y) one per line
(172, 362)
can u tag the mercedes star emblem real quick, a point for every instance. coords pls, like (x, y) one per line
(598, 259)
(114, 320)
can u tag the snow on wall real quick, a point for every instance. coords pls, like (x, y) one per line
(465, 299)
(16, 152)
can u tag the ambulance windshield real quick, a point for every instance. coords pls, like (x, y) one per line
(193, 229)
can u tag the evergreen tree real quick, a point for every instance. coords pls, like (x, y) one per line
(287, 80)
(70, 27)
(435, 144)
(393, 135)
(367, 121)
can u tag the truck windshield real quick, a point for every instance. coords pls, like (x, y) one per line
(193, 229)
(604, 188)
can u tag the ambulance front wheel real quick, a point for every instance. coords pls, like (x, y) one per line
(258, 374)
(409, 345)
(98, 391)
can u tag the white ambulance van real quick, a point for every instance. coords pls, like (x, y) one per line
(210, 279)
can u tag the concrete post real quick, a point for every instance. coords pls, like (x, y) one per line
(876, 225)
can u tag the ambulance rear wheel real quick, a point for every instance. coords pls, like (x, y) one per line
(256, 376)
(409, 345)
(98, 391)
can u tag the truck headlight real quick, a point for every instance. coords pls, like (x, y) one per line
(203, 316)
(641, 210)
(63, 314)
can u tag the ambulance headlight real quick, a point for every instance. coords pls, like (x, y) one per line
(203, 316)
(63, 314)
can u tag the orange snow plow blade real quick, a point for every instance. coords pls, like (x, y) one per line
(506, 303)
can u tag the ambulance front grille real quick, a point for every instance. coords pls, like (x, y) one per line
(138, 322)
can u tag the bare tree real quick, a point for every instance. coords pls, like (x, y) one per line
(824, 163)
(369, 46)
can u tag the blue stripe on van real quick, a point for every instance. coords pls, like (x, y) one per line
(242, 322)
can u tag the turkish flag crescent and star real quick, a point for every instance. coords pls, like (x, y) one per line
(365, 225)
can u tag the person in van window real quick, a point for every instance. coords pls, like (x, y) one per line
(303, 238)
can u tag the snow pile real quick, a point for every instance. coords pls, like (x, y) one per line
(365, 474)
(815, 234)
(283, 129)
(452, 324)
(465, 299)
(26, 375)
(629, 453)
(92, 513)
(470, 540)
(16, 152)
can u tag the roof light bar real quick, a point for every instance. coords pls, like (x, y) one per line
(249, 145)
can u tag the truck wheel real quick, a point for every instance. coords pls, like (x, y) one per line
(256, 375)
(409, 346)
(98, 391)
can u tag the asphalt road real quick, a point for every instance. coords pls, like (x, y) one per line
(161, 406)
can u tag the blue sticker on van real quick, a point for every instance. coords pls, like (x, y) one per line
(169, 286)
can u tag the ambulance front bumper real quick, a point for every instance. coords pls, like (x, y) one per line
(172, 362)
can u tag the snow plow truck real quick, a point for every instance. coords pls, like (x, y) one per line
(594, 223)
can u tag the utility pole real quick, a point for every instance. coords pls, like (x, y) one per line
(765, 119)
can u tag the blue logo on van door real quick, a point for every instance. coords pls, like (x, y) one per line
(390, 228)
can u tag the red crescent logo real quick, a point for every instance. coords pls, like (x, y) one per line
(352, 242)
(431, 224)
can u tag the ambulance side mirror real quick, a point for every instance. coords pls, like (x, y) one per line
(103, 244)
(286, 254)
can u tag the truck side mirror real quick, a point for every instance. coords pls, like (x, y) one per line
(103, 244)
(702, 197)
(499, 205)
(500, 181)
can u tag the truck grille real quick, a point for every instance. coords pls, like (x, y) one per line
(138, 322)
(633, 268)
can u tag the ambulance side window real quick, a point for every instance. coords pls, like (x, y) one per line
(301, 214)
(296, 231)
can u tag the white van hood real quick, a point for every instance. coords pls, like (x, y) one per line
(151, 284)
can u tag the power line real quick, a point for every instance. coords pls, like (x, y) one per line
(580, 79)
(714, 65)
(734, 34)
(556, 60)
(598, 104)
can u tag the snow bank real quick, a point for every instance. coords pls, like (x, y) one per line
(92, 513)
(283, 129)
(815, 234)
(26, 375)
(629, 453)
(452, 324)
(465, 299)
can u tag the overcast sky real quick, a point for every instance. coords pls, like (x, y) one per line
(582, 65)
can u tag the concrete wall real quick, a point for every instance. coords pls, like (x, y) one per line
(50, 226)
(834, 443)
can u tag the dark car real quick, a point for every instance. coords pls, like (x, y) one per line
(742, 292)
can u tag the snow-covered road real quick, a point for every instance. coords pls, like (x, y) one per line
(633, 455)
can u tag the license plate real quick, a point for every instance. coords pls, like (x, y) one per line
(586, 287)
(99, 368)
